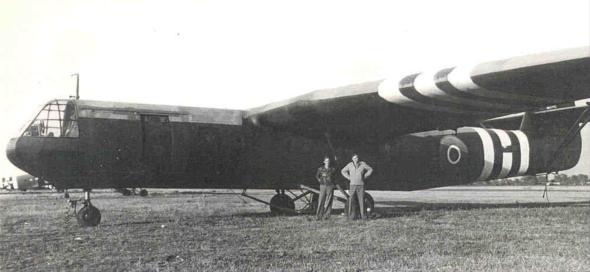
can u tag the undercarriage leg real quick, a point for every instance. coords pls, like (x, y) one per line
(88, 215)
(280, 204)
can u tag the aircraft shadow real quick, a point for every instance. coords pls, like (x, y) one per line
(396, 209)
(406, 208)
(141, 222)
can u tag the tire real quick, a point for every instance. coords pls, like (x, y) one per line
(281, 205)
(143, 192)
(88, 216)
(369, 205)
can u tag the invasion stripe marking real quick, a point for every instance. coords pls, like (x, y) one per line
(506, 156)
(443, 84)
(425, 85)
(389, 90)
(408, 89)
(460, 77)
(488, 153)
(498, 155)
(524, 152)
(405, 94)
(515, 154)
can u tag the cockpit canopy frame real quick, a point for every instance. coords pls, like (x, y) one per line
(58, 118)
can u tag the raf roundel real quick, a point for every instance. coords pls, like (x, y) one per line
(453, 154)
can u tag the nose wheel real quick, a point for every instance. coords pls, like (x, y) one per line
(88, 215)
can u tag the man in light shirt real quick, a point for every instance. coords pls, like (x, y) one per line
(357, 172)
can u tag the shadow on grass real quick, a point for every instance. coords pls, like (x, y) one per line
(193, 193)
(395, 209)
(268, 214)
(406, 208)
(409, 208)
(299, 213)
(145, 222)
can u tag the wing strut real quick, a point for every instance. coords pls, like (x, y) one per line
(526, 124)
(282, 204)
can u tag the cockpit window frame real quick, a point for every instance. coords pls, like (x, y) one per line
(49, 107)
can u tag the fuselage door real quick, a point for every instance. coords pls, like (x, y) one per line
(157, 141)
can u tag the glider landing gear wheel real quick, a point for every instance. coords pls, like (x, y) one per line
(143, 192)
(281, 204)
(88, 216)
(369, 205)
(123, 191)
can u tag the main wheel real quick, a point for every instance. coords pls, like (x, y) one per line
(281, 204)
(88, 216)
(369, 204)
(124, 191)
(143, 192)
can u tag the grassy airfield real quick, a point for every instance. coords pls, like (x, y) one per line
(461, 229)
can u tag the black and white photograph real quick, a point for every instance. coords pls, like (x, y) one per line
(201, 135)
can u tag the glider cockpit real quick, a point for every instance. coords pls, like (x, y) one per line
(58, 118)
(47, 147)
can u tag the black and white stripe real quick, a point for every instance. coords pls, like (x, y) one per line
(506, 153)
(454, 90)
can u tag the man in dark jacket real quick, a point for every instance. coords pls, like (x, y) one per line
(356, 172)
(325, 176)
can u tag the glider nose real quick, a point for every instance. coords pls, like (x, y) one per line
(11, 151)
(23, 155)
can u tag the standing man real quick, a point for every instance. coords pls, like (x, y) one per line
(325, 176)
(356, 172)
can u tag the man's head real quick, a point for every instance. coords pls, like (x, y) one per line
(327, 161)
(355, 158)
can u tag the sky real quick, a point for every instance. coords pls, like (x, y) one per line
(242, 54)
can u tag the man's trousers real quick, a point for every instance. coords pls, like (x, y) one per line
(359, 192)
(325, 201)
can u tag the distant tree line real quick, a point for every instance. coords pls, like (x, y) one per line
(555, 179)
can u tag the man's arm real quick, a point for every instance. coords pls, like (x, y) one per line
(345, 172)
(369, 170)
(317, 175)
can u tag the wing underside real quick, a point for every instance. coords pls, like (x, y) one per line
(441, 99)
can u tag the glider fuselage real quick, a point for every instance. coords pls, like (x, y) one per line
(114, 145)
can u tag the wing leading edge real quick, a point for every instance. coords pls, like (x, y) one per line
(447, 98)
(505, 86)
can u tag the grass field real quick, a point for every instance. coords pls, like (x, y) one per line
(452, 230)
